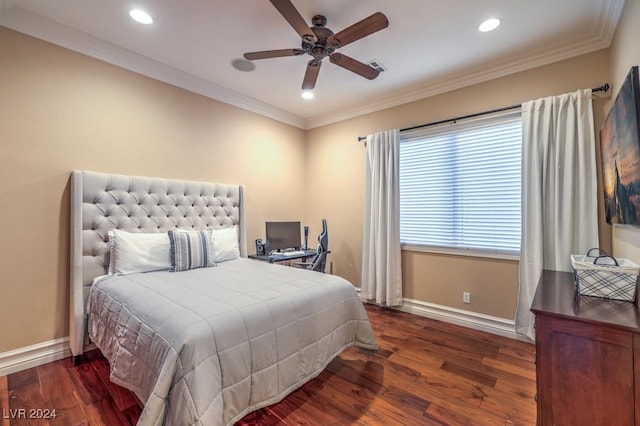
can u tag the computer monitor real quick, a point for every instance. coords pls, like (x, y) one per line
(283, 235)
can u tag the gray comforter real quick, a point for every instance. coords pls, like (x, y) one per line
(207, 346)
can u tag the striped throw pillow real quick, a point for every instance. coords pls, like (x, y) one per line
(190, 249)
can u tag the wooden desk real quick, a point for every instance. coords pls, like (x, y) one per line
(587, 356)
(278, 257)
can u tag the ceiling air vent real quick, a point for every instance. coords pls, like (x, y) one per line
(376, 65)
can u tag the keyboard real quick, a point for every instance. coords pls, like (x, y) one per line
(292, 253)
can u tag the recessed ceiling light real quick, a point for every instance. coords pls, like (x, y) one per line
(307, 94)
(141, 16)
(243, 65)
(489, 25)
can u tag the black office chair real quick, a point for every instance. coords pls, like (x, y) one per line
(319, 261)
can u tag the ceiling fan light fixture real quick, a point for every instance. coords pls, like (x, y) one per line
(307, 94)
(489, 25)
(141, 16)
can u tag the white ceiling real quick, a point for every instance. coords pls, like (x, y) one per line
(430, 46)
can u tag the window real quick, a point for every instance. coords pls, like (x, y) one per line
(460, 186)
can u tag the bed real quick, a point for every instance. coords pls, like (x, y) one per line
(220, 336)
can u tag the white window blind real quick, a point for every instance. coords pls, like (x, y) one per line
(460, 185)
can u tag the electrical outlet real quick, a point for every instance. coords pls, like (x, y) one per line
(466, 297)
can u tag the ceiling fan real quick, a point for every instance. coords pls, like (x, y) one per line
(320, 42)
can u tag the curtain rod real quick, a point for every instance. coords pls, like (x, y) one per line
(604, 88)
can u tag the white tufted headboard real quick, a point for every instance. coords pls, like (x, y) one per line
(100, 202)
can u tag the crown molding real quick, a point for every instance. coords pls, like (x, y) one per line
(23, 21)
(601, 39)
(611, 14)
(34, 25)
(469, 77)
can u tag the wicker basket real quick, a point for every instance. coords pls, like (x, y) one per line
(605, 276)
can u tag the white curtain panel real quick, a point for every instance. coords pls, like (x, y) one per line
(381, 264)
(559, 199)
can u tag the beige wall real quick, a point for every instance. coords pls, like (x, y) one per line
(61, 111)
(624, 54)
(336, 163)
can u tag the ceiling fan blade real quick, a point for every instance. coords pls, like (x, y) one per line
(367, 26)
(311, 75)
(293, 17)
(266, 54)
(353, 65)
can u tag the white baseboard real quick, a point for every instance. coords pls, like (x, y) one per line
(34, 355)
(477, 321)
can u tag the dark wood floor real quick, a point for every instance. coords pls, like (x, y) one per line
(426, 372)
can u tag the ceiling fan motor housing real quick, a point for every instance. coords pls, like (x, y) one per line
(319, 49)
(319, 21)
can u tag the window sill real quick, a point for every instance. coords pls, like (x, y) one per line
(460, 252)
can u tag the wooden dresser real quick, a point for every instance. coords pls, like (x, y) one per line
(587, 356)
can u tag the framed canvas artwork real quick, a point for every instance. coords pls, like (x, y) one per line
(620, 149)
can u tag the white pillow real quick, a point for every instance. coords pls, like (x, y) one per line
(225, 244)
(139, 251)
